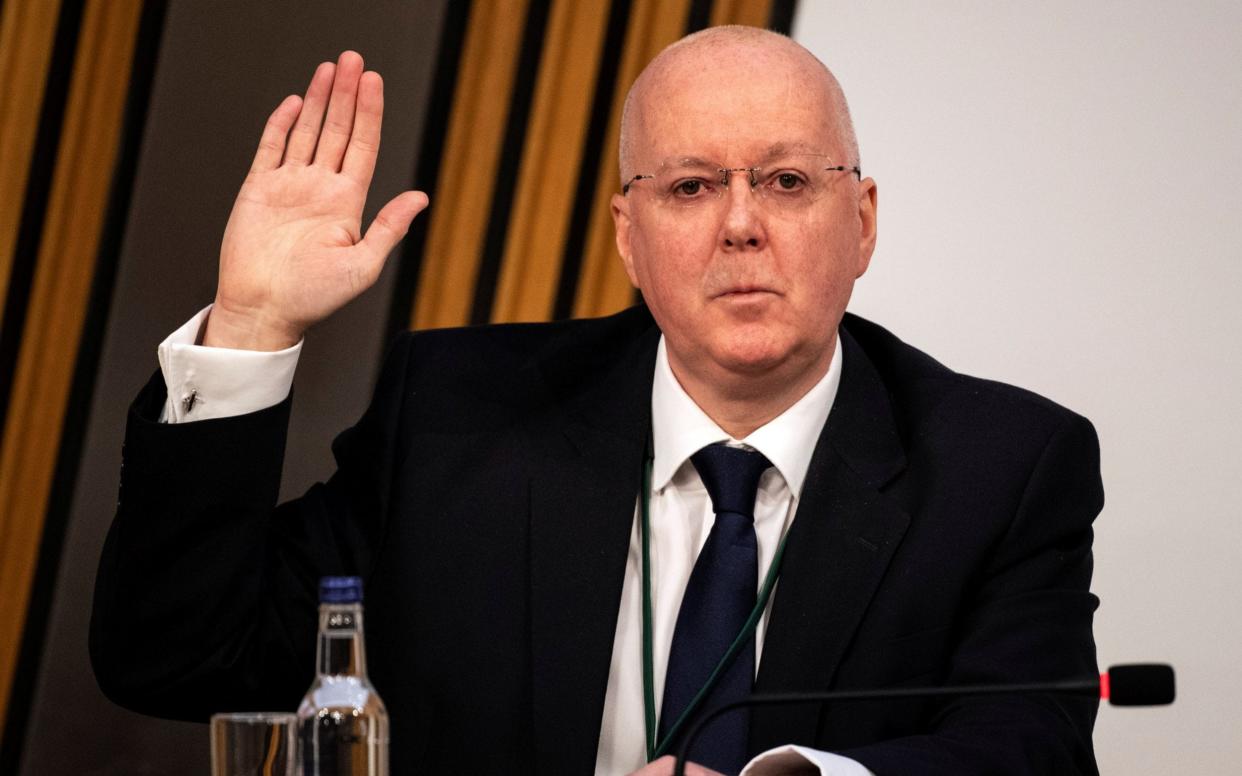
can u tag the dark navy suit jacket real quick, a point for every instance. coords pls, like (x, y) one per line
(487, 498)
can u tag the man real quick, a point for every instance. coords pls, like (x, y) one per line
(521, 499)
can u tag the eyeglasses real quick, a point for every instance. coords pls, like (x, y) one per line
(784, 184)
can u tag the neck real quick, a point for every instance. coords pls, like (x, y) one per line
(741, 403)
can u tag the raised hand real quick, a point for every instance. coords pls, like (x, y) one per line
(293, 251)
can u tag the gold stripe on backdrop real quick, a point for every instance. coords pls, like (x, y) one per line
(603, 287)
(58, 301)
(754, 13)
(27, 28)
(467, 175)
(550, 161)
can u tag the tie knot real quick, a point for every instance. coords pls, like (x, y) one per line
(731, 476)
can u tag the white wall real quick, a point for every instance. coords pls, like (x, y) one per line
(1060, 209)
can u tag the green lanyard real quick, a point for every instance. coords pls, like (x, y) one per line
(656, 749)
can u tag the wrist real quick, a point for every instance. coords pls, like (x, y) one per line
(227, 328)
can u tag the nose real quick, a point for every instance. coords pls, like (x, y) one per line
(743, 226)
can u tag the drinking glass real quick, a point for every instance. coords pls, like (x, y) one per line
(254, 743)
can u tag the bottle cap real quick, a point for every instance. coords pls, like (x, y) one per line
(340, 590)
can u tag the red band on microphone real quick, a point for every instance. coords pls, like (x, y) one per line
(1104, 686)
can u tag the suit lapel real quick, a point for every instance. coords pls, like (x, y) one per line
(586, 472)
(842, 538)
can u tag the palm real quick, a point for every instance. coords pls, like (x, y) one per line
(308, 221)
(293, 250)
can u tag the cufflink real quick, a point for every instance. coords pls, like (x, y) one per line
(188, 402)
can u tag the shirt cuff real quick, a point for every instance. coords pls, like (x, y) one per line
(793, 760)
(205, 383)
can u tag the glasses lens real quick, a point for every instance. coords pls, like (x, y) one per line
(793, 183)
(688, 182)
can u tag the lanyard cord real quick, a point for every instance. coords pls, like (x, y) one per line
(656, 749)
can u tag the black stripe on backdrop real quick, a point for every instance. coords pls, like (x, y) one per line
(457, 14)
(781, 17)
(35, 200)
(524, 78)
(588, 163)
(699, 16)
(86, 368)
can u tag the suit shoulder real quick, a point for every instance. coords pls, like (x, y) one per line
(494, 372)
(472, 353)
(923, 389)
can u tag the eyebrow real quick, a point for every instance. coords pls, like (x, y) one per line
(784, 149)
(689, 161)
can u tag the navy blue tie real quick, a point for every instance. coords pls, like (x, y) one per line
(719, 597)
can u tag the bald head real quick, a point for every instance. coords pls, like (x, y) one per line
(715, 59)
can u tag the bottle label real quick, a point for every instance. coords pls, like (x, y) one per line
(335, 692)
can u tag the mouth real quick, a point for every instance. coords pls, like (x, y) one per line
(744, 292)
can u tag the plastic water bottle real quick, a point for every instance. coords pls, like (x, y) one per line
(343, 726)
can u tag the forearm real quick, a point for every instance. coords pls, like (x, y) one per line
(183, 581)
(206, 591)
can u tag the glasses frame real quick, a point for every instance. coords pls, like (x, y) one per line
(751, 172)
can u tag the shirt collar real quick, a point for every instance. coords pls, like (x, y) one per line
(679, 428)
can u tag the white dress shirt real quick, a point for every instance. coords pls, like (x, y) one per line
(206, 383)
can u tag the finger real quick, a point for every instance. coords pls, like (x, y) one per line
(364, 142)
(275, 133)
(661, 767)
(340, 119)
(306, 129)
(390, 225)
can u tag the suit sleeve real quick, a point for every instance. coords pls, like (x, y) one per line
(206, 591)
(1029, 619)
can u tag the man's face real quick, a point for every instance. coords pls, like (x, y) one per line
(743, 284)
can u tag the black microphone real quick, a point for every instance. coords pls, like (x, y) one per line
(1138, 684)
(1131, 684)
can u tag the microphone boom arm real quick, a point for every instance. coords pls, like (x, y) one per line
(1089, 686)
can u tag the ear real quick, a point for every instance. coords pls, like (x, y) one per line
(622, 222)
(867, 201)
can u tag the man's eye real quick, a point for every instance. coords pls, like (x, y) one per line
(688, 188)
(789, 181)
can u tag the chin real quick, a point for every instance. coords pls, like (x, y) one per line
(761, 351)
(752, 358)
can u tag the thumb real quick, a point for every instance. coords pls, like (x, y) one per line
(391, 223)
